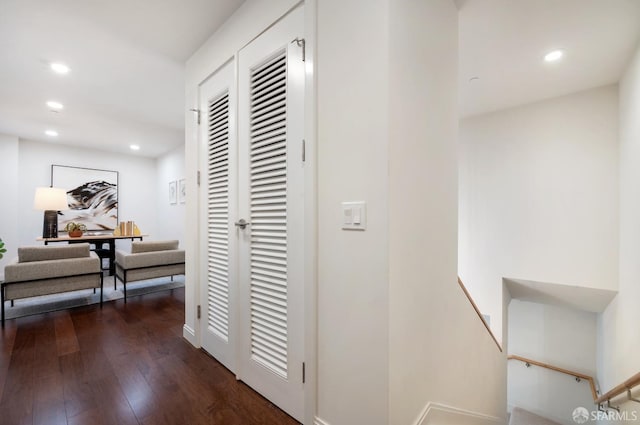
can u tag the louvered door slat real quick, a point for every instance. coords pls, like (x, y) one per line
(271, 247)
(267, 151)
(269, 126)
(269, 115)
(269, 77)
(268, 210)
(263, 72)
(272, 336)
(268, 142)
(268, 182)
(218, 216)
(268, 313)
(266, 287)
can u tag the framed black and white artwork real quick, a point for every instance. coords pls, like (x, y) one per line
(92, 195)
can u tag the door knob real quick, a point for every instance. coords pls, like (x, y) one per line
(242, 223)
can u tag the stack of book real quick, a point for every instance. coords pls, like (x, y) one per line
(127, 228)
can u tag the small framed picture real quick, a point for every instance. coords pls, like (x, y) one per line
(182, 191)
(173, 192)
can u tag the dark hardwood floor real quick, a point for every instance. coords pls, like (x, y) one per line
(122, 364)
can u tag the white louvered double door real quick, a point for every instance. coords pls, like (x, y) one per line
(253, 321)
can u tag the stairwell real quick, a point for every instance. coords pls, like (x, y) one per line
(524, 417)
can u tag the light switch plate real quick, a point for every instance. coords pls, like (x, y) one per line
(354, 215)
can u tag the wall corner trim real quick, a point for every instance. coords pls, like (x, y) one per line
(190, 335)
(318, 421)
(444, 414)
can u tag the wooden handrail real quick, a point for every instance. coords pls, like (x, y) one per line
(620, 389)
(629, 384)
(475, 307)
(592, 384)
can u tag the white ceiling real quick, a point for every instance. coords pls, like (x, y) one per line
(502, 42)
(127, 58)
(126, 84)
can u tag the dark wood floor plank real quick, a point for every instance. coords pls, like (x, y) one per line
(116, 410)
(48, 403)
(120, 364)
(15, 416)
(7, 339)
(139, 394)
(16, 405)
(78, 397)
(46, 351)
(190, 385)
(65, 334)
(175, 414)
(92, 416)
(50, 414)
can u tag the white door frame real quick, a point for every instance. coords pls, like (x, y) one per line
(310, 214)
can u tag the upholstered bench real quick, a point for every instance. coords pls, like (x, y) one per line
(149, 260)
(45, 270)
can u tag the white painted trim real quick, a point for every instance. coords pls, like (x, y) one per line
(318, 421)
(310, 217)
(190, 335)
(456, 413)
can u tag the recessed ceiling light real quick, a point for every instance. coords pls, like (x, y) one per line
(51, 133)
(60, 68)
(553, 56)
(56, 106)
(134, 147)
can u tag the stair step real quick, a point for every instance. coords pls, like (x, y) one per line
(524, 417)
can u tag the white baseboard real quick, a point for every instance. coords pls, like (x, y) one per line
(441, 414)
(190, 335)
(318, 421)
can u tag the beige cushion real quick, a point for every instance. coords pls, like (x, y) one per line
(41, 253)
(51, 286)
(150, 246)
(34, 270)
(149, 259)
(150, 273)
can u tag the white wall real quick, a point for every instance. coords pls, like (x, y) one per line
(353, 274)
(619, 338)
(9, 212)
(539, 196)
(439, 350)
(558, 336)
(171, 218)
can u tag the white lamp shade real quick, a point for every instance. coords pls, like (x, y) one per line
(50, 198)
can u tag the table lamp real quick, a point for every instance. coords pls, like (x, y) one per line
(50, 200)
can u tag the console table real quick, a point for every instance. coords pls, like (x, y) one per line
(98, 241)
